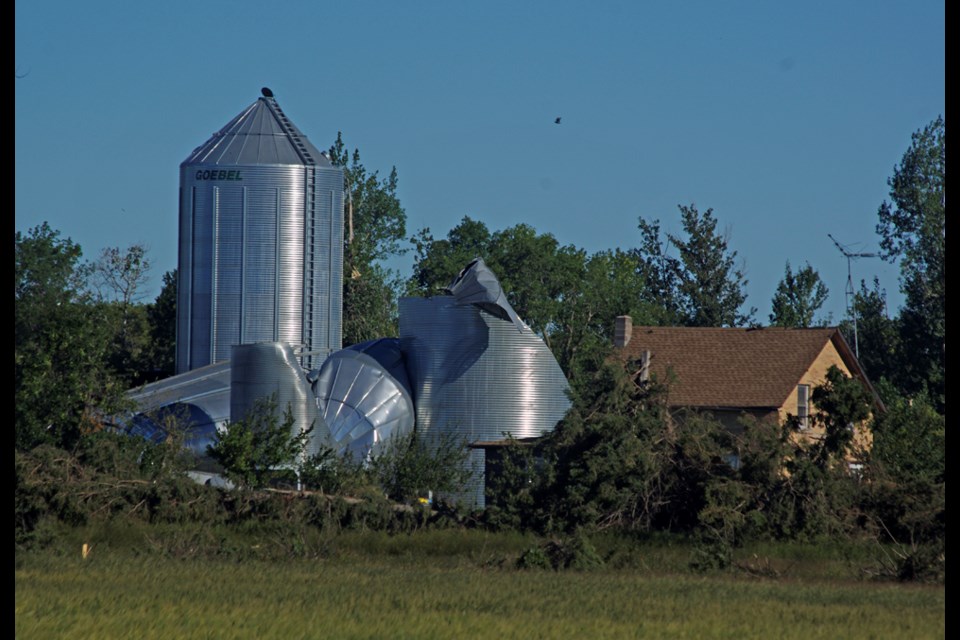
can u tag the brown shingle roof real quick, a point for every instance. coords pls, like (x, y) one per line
(729, 367)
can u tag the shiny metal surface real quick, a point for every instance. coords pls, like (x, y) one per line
(271, 370)
(475, 376)
(386, 351)
(476, 284)
(197, 402)
(186, 422)
(261, 242)
(261, 134)
(362, 402)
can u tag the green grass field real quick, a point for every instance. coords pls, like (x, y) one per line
(455, 584)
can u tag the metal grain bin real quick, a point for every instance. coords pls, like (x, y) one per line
(261, 241)
(475, 375)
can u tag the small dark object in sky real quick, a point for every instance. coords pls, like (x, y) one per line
(266, 92)
(557, 121)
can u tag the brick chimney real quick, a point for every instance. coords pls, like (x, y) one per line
(622, 331)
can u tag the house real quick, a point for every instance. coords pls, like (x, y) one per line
(768, 373)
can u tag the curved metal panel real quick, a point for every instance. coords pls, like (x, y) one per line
(260, 259)
(475, 376)
(198, 428)
(197, 401)
(362, 403)
(476, 284)
(266, 369)
(386, 351)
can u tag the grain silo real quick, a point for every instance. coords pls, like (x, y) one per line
(261, 241)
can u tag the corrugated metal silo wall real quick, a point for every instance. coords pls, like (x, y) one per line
(270, 369)
(261, 259)
(474, 375)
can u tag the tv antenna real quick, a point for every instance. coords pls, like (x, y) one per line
(850, 256)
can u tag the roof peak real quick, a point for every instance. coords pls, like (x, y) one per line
(261, 134)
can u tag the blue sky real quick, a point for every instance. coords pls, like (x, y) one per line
(785, 118)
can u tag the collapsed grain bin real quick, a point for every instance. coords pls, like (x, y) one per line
(477, 372)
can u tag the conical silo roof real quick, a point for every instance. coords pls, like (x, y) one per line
(260, 135)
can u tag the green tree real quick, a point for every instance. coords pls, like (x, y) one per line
(410, 466)
(118, 277)
(817, 495)
(706, 285)
(162, 321)
(603, 286)
(659, 271)
(878, 335)
(909, 440)
(568, 298)
(600, 467)
(905, 499)
(841, 403)
(437, 262)
(912, 231)
(798, 298)
(620, 459)
(376, 226)
(534, 270)
(62, 378)
(260, 444)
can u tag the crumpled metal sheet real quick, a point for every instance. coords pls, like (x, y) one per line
(476, 284)
(363, 400)
(271, 369)
(474, 376)
(387, 352)
(198, 429)
(198, 402)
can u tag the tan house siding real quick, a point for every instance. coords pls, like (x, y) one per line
(815, 376)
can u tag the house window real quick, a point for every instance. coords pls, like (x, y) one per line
(803, 405)
(732, 459)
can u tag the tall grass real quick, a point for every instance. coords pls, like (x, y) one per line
(457, 584)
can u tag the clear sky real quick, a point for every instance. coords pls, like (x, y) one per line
(785, 118)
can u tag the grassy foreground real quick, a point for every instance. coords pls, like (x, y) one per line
(452, 585)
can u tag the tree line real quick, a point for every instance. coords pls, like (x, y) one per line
(84, 335)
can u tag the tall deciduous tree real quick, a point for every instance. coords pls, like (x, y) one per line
(912, 230)
(61, 344)
(605, 285)
(798, 298)
(118, 277)
(659, 270)
(437, 261)
(375, 226)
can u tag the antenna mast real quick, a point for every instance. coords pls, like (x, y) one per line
(851, 312)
